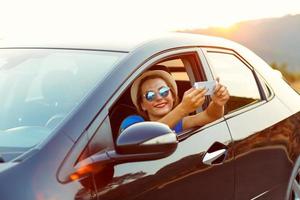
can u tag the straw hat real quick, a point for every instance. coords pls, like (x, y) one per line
(156, 73)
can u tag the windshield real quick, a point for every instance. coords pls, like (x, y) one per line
(39, 87)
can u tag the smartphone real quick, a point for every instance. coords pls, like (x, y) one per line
(209, 85)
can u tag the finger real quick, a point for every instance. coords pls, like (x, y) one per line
(191, 95)
(217, 87)
(196, 92)
(225, 93)
(221, 90)
(189, 91)
(200, 101)
(201, 94)
(201, 89)
(218, 79)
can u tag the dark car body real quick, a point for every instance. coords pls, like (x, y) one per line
(76, 151)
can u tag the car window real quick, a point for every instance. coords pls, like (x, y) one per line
(176, 67)
(178, 70)
(237, 77)
(40, 87)
(180, 67)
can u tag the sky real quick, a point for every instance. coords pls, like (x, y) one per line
(51, 18)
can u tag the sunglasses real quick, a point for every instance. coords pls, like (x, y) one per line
(163, 92)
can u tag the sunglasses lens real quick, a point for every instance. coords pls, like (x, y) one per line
(150, 95)
(164, 91)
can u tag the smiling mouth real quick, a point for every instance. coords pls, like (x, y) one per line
(161, 105)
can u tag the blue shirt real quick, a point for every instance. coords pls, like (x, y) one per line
(132, 119)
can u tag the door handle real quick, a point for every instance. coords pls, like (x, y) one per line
(216, 154)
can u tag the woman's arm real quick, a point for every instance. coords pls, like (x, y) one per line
(192, 99)
(214, 111)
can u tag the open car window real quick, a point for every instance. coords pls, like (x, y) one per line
(239, 79)
(181, 67)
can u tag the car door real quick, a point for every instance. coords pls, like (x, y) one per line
(183, 174)
(255, 117)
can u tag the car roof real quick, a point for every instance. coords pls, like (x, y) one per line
(121, 43)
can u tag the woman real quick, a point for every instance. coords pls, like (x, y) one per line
(154, 95)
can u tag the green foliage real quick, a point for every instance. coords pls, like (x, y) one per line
(288, 75)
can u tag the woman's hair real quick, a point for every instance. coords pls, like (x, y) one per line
(140, 95)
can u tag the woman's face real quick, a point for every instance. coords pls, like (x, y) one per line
(159, 106)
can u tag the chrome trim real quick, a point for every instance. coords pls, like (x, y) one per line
(258, 196)
(210, 157)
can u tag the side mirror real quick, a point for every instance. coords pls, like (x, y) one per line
(147, 138)
(139, 142)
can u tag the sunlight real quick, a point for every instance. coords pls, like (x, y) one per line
(97, 18)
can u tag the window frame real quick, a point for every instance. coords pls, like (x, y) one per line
(269, 93)
(261, 89)
(196, 73)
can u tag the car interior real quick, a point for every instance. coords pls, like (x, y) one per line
(124, 107)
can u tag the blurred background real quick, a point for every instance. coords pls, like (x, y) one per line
(276, 40)
(270, 28)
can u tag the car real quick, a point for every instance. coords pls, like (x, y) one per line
(62, 103)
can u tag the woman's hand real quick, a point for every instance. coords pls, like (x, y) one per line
(221, 94)
(192, 99)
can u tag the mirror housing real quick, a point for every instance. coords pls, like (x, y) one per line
(147, 137)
